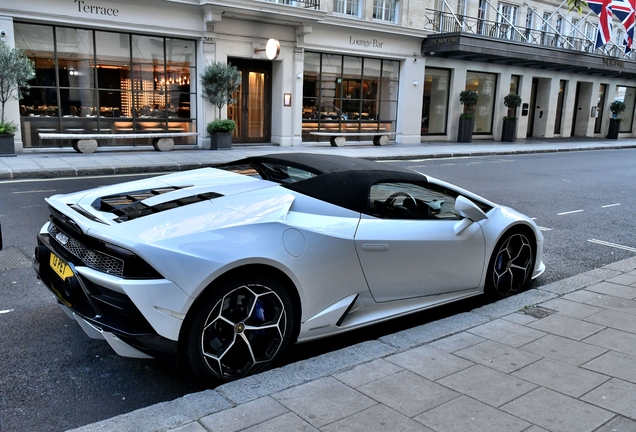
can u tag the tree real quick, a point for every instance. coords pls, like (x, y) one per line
(576, 5)
(219, 81)
(15, 72)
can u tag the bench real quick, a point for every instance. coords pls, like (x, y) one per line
(87, 142)
(338, 139)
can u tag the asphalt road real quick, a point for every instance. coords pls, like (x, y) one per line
(55, 378)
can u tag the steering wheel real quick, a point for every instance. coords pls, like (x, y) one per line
(390, 201)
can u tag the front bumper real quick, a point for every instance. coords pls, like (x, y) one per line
(102, 313)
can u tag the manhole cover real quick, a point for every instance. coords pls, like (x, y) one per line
(539, 312)
(12, 258)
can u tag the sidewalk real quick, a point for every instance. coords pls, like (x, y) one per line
(68, 163)
(561, 357)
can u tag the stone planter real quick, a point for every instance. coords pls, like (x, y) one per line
(7, 147)
(465, 132)
(221, 141)
(614, 128)
(509, 130)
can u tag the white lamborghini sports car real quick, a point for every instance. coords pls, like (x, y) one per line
(222, 268)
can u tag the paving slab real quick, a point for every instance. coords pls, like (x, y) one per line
(614, 364)
(244, 416)
(377, 418)
(615, 395)
(324, 401)
(468, 415)
(498, 356)
(565, 350)
(614, 340)
(487, 385)
(567, 327)
(408, 393)
(557, 412)
(429, 362)
(571, 309)
(507, 333)
(561, 377)
(615, 319)
(613, 289)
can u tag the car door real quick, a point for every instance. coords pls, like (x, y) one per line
(408, 248)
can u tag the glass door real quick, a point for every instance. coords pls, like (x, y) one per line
(252, 109)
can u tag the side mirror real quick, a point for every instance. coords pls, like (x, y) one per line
(469, 211)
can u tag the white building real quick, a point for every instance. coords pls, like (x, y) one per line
(111, 66)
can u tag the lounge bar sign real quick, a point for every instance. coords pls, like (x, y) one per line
(365, 43)
(83, 7)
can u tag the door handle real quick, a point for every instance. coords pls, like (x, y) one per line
(375, 247)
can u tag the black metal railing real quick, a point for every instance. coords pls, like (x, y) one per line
(306, 4)
(443, 22)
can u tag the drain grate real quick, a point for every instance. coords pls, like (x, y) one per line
(12, 258)
(539, 312)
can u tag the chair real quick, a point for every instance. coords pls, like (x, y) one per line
(73, 110)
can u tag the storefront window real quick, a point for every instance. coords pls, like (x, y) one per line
(105, 82)
(627, 95)
(514, 84)
(348, 93)
(435, 103)
(485, 84)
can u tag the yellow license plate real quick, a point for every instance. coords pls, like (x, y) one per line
(60, 267)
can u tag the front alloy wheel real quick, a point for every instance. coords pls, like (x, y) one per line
(240, 330)
(511, 265)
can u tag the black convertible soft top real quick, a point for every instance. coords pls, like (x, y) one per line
(339, 180)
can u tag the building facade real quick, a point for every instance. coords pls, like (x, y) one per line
(113, 67)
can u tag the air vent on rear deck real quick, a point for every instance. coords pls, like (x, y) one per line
(129, 206)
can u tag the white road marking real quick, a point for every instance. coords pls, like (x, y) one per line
(6, 311)
(614, 245)
(36, 191)
(544, 229)
(569, 212)
(610, 205)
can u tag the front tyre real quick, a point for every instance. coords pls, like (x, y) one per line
(511, 265)
(239, 330)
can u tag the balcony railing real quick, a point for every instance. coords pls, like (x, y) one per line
(443, 22)
(306, 4)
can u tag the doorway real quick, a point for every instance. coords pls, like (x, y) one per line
(533, 102)
(252, 110)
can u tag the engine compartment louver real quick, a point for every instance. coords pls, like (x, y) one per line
(129, 206)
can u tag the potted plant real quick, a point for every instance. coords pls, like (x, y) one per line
(509, 130)
(468, 98)
(616, 107)
(15, 72)
(220, 131)
(219, 81)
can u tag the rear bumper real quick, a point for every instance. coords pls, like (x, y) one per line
(101, 312)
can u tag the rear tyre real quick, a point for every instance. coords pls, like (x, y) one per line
(511, 265)
(239, 329)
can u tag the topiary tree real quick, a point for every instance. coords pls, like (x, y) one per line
(16, 70)
(617, 107)
(512, 101)
(468, 98)
(218, 82)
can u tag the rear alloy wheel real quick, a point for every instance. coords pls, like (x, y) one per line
(511, 265)
(240, 330)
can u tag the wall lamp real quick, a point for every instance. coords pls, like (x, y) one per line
(272, 49)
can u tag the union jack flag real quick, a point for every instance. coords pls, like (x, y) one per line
(602, 8)
(625, 11)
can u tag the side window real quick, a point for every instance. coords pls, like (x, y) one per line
(401, 200)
